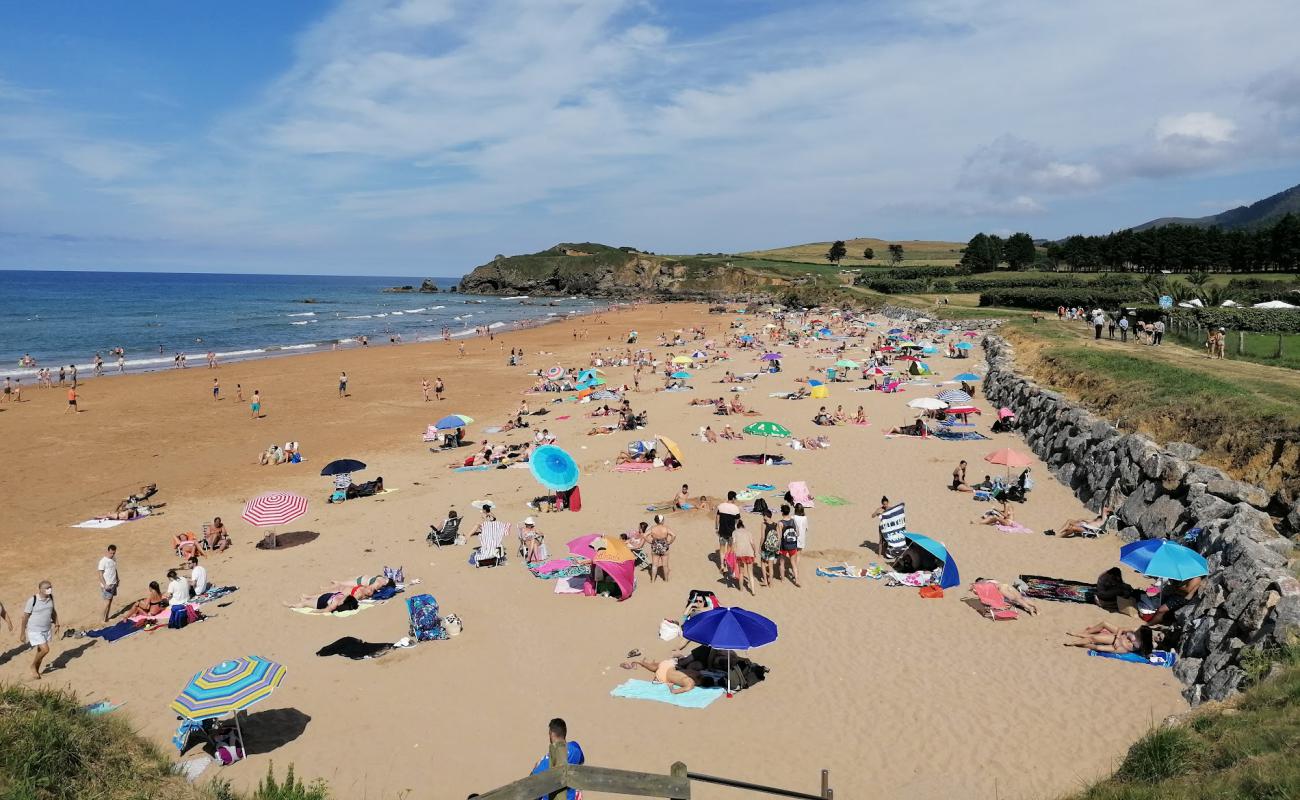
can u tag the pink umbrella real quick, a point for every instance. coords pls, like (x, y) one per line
(274, 508)
(582, 545)
(1005, 412)
(970, 333)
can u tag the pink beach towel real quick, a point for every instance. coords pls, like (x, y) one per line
(1017, 528)
(634, 467)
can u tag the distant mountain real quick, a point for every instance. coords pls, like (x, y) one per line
(1265, 212)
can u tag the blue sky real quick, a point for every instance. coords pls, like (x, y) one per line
(422, 137)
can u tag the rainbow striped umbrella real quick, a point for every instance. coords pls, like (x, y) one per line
(274, 508)
(555, 372)
(228, 687)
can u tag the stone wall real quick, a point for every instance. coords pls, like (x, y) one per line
(1249, 605)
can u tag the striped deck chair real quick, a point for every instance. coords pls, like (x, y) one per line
(893, 529)
(491, 550)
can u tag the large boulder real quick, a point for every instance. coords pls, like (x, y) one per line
(1238, 492)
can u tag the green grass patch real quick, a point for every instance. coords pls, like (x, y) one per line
(1247, 750)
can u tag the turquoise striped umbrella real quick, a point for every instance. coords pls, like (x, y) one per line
(228, 687)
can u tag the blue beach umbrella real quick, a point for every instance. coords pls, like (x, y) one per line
(681, 375)
(730, 628)
(966, 376)
(553, 468)
(895, 331)
(954, 396)
(950, 577)
(1161, 558)
(452, 422)
(929, 350)
(747, 338)
(814, 382)
(944, 331)
(963, 345)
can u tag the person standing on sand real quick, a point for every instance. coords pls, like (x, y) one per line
(121, 363)
(424, 387)
(256, 405)
(40, 623)
(437, 388)
(216, 389)
(558, 734)
(461, 347)
(239, 392)
(72, 401)
(727, 515)
(108, 580)
(343, 384)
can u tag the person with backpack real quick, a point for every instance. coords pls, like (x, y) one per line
(40, 623)
(769, 545)
(789, 551)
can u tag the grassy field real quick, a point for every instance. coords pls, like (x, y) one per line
(939, 254)
(1259, 348)
(1245, 750)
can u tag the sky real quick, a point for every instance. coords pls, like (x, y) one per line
(423, 137)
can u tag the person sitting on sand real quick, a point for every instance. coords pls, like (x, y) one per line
(860, 418)
(839, 416)
(822, 418)
(1176, 595)
(1106, 638)
(720, 407)
(995, 516)
(709, 435)
(683, 499)
(737, 407)
(665, 672)
(149, 605)
(1012, 595)
(959, 483)
(217, 536)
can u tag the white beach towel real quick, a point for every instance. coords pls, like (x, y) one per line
(99, 523)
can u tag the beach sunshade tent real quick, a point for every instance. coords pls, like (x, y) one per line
(895, 331)
(452, 422)
(1005, 412)
(1161, 558)
(274, 508)
(730, 628)
(612, 556)
(672, 447)
(927, 404)
(228, 688)
(919, 368)
(950, 577)
(966, 376)
(343, 466)
(954, 396)
(963, 345)
(553, 468)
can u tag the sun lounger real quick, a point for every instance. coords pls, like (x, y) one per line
(491, 550)
(995, 605)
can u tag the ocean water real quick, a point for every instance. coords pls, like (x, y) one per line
(63, 318)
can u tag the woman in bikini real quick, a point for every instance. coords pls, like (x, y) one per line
(153, 604)
(334, 601)
(1106, 638)
(861, 417)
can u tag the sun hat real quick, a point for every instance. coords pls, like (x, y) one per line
(529, 521)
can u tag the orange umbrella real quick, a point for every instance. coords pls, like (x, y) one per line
(1012, 458)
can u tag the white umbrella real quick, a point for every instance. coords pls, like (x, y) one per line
(1273, 304)
(927, 404)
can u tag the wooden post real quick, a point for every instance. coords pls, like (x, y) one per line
(827, 792)
(678, 770)
(1278, 353)
(1241, 343)
(559, 755)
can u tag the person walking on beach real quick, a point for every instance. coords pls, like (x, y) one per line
(461, 347)
(256, 405)
(558, 732)
(437, 388)
(216, 389)
(121, 362)
(63, 375)
(108, 580)
(343, 384)
(727, 515)
(72, 368)
(239, 393)
(72, 400)
(40, 623)
(424, 387)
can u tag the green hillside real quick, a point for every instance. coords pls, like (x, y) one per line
(1264, 212)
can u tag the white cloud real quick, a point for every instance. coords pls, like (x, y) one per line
(1195, 129)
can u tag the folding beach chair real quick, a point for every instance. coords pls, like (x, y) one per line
(995, 605)
(491, 550)
(432, 434)
(447, 534)
(893, 528)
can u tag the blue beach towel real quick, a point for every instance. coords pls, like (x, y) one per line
(114, 632)
(1158, 658)
(479, 468)
(101, 707)
(960, 436)
(698, 697)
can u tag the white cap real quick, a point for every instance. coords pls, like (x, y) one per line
(529, 521)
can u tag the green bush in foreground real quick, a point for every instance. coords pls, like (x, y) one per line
(50, 749)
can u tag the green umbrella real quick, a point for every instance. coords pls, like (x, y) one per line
(846, 363)
(767, 430)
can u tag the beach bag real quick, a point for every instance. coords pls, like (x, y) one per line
(395, 574)
(771, 541)
(789, 535)
(452, 625)
(931, 592)
(180, 617)
(575, 499)
(228, 751)
(425, 623)
(669, 630)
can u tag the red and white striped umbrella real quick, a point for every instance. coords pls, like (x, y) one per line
(274, 508)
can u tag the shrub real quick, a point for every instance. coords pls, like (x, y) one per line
(1160, 755)
(1042, 298)
(1260, 320)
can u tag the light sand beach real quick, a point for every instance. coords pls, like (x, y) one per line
(896, 695)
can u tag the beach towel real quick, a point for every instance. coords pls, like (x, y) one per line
(101, 707)
(354, 648)
(1017, 528)
(561, 419)
(112, 633)
(873, 571)
(183, 731)
(756, 461)
(832, 500)
(100, 523)
(493, 429)
(660, 507)
(698, 697)
(1158, 658)
(479, 468)
(800, 493)
(1058, 589)
(632, 466)
(571, 585)
(572, 566)
(213, 593)
(949, 435)
(761, 487)
(312, 612)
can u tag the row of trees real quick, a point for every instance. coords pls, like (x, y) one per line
(839, 250)
(984, 252)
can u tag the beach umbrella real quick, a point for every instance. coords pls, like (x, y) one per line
(555, 373)
(730, 628)
(1161, 558)
(971, 333)
(680, 375)
(888, 348)
(846, 363)
(343, 466)
(274, 508)
(1005, 412)
(895, 331)
(927, 404)
(951, 577)
(963, 345)
(964, 409)
(771, 357)
(929, 350)
(767, 430)
(699, 354)
(1011, 458)
(954, 396)
(553, 468)
(912, 346)
(747, 338)
(876, 371)
(452, 421)
(908, 358)
(672, 447)
(943, 331)
(966, 376)
(682, 360)
(228, 688)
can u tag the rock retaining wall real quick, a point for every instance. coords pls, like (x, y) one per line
(1249, 606)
